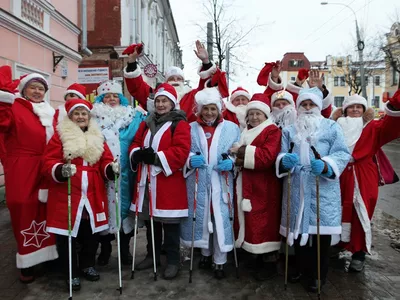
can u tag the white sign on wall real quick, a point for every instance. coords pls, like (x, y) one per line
(93, 75)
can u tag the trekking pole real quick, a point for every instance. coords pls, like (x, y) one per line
(136, 222)
(194, 221)
(118, 229)
(318, 156)
(152, 225)
(225, 156)
(69, 232)
(288, 221)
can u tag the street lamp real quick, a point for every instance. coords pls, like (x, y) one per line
(360, 46)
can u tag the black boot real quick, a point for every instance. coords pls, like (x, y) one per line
(219, 272)
(105, 250)
(126, 257)
(205, 262)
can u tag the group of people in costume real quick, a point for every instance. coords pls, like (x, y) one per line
(251, 173)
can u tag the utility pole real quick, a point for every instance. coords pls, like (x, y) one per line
(210, 40)
(227, 67)
(360, 47)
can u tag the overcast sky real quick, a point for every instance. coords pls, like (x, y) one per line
(290, 26)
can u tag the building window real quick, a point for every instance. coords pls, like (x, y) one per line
(32, 13)
(339, 64)
(296, 63)
(376, 101)
(292, 78)
(342, 81)
(338, 101)
(377, 80)
(336, 81)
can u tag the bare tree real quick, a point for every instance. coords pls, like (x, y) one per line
(392, 49)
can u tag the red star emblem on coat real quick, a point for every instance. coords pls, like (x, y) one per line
(35, 234)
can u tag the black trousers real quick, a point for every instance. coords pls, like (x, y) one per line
(88, 247)
(306, 256)
(171, 241)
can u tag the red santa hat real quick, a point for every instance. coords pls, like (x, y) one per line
(75, 103)
(240, 92)
(174, 71)
(282, 95)
(76, 89)
(27, 78)
(109, 86)
(208, 96)
(168, 91)
(354, 99)
(261, 102)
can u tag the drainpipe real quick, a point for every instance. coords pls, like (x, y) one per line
(84, 48)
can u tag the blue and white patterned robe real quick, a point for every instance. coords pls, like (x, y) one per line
(330, 144)
(212, 188)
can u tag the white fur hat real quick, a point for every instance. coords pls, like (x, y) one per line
(109, 86)
(354, 99)
(314, 94)
(208, 96)
(174, 71)
(282, 95)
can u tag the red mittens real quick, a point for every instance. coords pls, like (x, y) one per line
(6, 82)
(132, 48)
(219, 80)
(262, 78)
(303, 74)
(395, 100)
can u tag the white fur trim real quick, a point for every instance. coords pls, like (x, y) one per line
(229, 106)
(334, 167)
(261, 248)
(309, 96)
(89, 145)
(76, 106)
(354, 99)
(45, 113)
(277, 163)
(208, 96)
(207, 73)
(325, 230)
(6, 97)
(53, 172)
(293, 88)
(29, 77)
(37, 257)
(174, 71)
(250, 157)
(392, 113)
(328, 100)
(346, 232)
(240, 214)
(274, 85)
(164, 163)
(282, 95)
(246, 205)
(210, 227)
(133, 74)
(255, 104)
(62, 113)
(167, 94)
(130, 158)
(240, 93)
(83, 97)
(43, 195)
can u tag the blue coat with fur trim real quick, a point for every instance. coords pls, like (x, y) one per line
(212, 188)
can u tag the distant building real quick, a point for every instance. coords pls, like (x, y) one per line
(392, 51)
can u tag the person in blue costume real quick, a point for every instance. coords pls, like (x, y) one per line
(118, 122)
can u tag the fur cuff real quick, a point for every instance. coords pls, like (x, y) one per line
(273, 85)
(133, 74)
(328, 100)
(238, 244)
(392, 113)
(246, 205)
(292, 88)
(346, 231)
(210, 227)
(43, 194)
(6, 97)
(207, 73)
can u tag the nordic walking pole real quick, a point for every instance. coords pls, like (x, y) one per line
(194, 222)
(118, 229)
(136, 222)
(69, 232)
(317, 156)
(152, 225)
(230, 207)
(288, 221)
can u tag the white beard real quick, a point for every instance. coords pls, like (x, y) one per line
(307, 125)
(180, 88)
(352, 130)
(285, 116)
(240, 112)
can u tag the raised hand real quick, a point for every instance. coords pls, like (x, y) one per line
(276, 70)
(133, 52)
(6, 82)
(201, 52)
(315, 79)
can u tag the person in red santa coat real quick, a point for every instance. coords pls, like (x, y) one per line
(159, 152)
(235, 108)
(74, 91)
(209, 74)
(258, 189)
(360, 180)
(26, 122)
(78, 151)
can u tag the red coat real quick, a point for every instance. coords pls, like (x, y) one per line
(25, 142)
(140, 90)
(168, 187)
(87, 185)
(259, 191)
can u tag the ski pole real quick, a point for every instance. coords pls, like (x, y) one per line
(136, 222)
(225, 156)
(69, 232)
(194, 221)
(116, 182)
(152, 225)
(318, 156)
(288, 222)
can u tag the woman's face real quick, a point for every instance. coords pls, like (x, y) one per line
(256, 117)
(240, 100)
(281, 103)
(355, 111)
(209, 112)
(35, 92)
(80, 116)
(70, 96)
(308, 104)
(163, 105)
(111, 99)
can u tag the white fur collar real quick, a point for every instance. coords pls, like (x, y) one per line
(88, 145)
(45, 113)
(249, 135)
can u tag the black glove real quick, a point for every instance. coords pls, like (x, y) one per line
(137, 156)
(149, 156)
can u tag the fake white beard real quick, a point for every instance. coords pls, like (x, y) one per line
(285, 116)
(179, 88)
(114, 113)
(307, 124)
(352, 129)
(240, 112)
